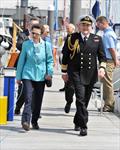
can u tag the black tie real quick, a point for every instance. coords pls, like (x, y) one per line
(85, 39)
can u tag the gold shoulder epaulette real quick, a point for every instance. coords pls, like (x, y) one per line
(73, 47)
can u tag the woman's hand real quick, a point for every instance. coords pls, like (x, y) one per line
(48, 77)
(19, 81)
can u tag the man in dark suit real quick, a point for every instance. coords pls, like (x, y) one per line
(82, 51)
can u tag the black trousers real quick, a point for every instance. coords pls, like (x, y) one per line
(38, 88)
(83, 94)
(69, 91)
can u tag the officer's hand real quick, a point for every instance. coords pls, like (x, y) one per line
(117, 63)
(101, 73)
(65, 77)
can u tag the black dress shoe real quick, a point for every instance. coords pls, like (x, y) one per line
(61, 90)
(83, 132)
(67, 108)
(25, 126)
(77, 128)
(35, 126)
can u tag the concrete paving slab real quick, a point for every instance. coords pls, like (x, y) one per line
(56, 128)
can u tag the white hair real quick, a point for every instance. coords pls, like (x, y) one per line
(72, 26)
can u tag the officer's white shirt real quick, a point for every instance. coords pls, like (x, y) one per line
(83, 36)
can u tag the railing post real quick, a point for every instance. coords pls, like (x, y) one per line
(101, 97)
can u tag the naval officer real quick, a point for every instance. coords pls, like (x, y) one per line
(82, 50)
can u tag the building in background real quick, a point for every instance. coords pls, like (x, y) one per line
(37, 8)
(109, 8)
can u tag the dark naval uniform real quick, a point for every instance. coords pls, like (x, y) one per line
(69, 87)
(80, 58)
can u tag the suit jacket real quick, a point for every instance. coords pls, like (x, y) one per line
(82, 57)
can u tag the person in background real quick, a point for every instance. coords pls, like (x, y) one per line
(46, 34)
(23, 36)
(31, 71)
(70, 28)
(110, 43)
(69, 87)
(80, 53)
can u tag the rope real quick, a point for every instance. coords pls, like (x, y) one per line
(73, 47)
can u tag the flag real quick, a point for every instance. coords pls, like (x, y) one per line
(96, 9)
(55, 14)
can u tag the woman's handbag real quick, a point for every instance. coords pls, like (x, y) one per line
(47, 82)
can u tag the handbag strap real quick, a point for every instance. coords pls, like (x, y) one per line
(46, 57)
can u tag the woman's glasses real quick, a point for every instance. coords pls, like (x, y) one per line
(34, 33)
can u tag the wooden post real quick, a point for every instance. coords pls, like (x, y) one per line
(15, 28)
(13, 55)
(14, 37)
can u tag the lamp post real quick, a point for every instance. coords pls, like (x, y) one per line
(77, 8)
(51, 18)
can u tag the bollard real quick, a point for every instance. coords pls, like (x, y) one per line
(3, 110)
(9, 88)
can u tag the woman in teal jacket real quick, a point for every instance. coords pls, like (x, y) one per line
(35, 57)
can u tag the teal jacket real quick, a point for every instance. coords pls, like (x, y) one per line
(32, 61)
